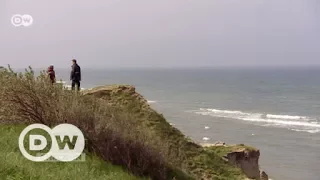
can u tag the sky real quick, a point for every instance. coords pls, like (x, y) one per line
(161, 33)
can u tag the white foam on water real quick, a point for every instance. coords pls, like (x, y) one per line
(280, 122)
(205, 138)
(69, 87)
(301, 123)
(62, 82)
(309, 131)
(151, 102)
(286, 117)
(225, 111)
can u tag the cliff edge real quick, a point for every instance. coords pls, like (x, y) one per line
(121, 128)
(208, 161)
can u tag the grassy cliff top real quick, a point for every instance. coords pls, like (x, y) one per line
(197, 160)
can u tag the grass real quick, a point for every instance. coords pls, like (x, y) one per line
(224, 150)
(14, 166)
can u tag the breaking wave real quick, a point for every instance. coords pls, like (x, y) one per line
(295, 123)
(152, 102)
(69, 87)
(65, 85)
(285, 117)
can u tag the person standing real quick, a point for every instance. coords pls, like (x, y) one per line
(51, 74)
(75, 75)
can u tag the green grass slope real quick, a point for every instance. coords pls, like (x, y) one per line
(13, 166)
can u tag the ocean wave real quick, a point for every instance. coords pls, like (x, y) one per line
(272, 116)
(65, 85)
(305, 130)
(296, 123)
(61, 82)
(151, 102)
(283, 122)
(69, 87)
(225, 111)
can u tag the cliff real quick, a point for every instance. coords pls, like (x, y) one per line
(218, 161)
(122, 129)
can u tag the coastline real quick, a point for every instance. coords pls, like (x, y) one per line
(244, 157)
(249, 158)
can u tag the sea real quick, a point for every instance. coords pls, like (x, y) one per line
(275, 109)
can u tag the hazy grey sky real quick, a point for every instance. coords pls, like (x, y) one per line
(157, 33)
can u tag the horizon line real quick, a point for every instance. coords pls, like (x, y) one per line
(178, 67)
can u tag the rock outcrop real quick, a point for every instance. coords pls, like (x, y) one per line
(244, 157)
(246, 160)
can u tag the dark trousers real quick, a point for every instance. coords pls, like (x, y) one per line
(74, 83)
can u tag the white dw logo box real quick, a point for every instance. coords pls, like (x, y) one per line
(21, 20)
(59, 135)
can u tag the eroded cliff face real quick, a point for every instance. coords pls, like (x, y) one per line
(244, 157)
(248, 161)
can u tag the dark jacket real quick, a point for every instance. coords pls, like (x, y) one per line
(75, 74)
(52, 74)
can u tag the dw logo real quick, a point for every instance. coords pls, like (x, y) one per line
(58, 136)
(21, 20)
